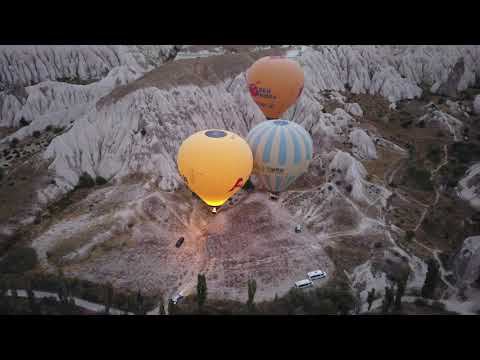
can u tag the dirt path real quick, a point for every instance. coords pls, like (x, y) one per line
(428, 207)
(84, 304)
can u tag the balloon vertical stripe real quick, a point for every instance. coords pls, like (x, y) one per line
(282, 156)
(282, 151)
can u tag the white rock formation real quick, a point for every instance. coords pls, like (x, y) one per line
(107, 140)
(467, 261)
(350, 170)
(363, 146)
(457, 108)
(438, 119)
(57, 103)
(25, 65)
(354, 109)
(469, 186)
(476, 105)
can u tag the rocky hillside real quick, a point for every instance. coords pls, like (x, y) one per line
(121, 112)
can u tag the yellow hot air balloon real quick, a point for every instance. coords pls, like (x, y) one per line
(215, 164)
(275, 84)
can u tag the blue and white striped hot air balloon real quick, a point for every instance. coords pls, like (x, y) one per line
(282, 151)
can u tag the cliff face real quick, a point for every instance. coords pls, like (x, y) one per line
(178, 98)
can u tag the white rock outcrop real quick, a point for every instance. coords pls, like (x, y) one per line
(476, 105)
(436, 118)
(24, 65)
(57, 103)
(363, 145)
(107, 140)
(354, 109)
(469, 186)
(467, 261)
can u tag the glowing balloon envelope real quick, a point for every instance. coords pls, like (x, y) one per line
(282, 151)
(275, 84)
(215, 164)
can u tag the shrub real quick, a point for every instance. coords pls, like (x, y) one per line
(420, 302)
(434, 154)
(465, 152)
(19, 260)
(23, 122)
(99, 180)
(36, 134)
(13, 142)
(420, 178)
(406, 124)
(1, 174)
(85, 181)
(58, 130)
(437, 305)
(248, 186)
(410, 234)
(49, 128)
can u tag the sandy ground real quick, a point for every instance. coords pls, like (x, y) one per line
(253, 238)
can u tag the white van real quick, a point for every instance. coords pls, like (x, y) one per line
(177, 298)
(317, 274)
(303, 284)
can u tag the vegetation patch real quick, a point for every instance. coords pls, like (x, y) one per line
(100, 180)
(419, 178)
(434, 153)
(19, 260)
(85, 181)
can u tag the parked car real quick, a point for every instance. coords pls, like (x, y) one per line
(177, 298)
(305, 283)
(317, 274)
(298, 229)
(180, 242)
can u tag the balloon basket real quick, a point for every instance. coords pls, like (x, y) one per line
(274, 196)
(214, 210)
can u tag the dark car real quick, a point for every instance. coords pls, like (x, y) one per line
(180, 242)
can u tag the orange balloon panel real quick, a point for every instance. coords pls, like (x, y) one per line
(215, 164)
(275, 84)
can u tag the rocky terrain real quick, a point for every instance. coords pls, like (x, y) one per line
(89, 138)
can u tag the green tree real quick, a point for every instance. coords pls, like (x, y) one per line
(401, 285)
(131, 303)
(370, 298)
(161, 306)
(62, 290)
(252, 288)
(99, 180)
(477, 282)
(409, 235)
(3, 289)
(140, 308)
(201, 291)
(387, 300)
(431, 280)
(31, 297)
(14, 297)
(85, 181)
(248, 186)
(172, 308)
(108, 297)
